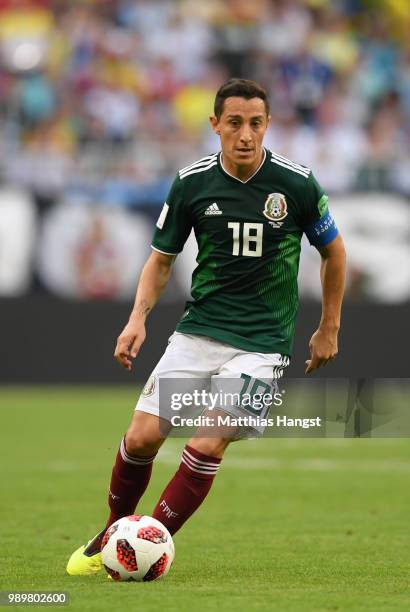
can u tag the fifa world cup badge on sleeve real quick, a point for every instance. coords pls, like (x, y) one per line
(162, 216)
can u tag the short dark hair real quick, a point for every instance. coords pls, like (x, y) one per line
(242, 88)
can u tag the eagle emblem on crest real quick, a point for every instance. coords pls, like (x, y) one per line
(275, 207)
(149, 387)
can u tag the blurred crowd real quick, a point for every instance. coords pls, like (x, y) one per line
(101, 101)
(111, 97)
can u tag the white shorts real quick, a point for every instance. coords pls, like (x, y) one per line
(199, 363)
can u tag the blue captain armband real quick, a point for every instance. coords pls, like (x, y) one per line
(323, 231)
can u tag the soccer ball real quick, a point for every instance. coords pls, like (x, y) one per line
(137, 548)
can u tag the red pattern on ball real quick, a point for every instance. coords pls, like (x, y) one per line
(114, 574)
(157, 569)
(126, 555)
(134, 517)
(112, 529)
(152, 534)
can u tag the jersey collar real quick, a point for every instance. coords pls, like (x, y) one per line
(235, 177)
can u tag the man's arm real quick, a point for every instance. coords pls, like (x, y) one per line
(153, 280)
(323, 343)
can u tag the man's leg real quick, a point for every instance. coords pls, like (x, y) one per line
(133, 465)
(191, 483)
(130, 477)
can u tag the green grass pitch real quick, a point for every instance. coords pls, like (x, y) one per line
(290, 525)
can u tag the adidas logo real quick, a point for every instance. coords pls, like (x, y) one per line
(213, 209)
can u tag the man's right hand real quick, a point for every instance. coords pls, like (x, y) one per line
(129, 342)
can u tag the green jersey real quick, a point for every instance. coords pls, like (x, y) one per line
(244, 287)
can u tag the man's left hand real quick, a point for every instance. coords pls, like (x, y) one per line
(323, 348)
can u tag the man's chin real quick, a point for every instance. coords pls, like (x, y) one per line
(245, 157)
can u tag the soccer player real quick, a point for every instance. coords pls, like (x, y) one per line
(249, 208)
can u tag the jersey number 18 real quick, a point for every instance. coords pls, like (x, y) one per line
(252, 234)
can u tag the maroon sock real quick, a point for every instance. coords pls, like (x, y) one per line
(187, 490)
(130, 478)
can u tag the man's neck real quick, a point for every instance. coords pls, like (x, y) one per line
(242, 173)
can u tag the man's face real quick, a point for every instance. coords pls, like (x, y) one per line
(241, 127)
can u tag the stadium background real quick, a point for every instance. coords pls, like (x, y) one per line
(101, 103)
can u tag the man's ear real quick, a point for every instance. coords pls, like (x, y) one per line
(214, 124)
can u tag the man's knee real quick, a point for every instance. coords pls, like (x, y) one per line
(145, 435)
(211, 439)
(212, 447)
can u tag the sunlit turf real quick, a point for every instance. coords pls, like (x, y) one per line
(291, 524)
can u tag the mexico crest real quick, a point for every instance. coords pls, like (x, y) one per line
(275, 207)
(149, 387)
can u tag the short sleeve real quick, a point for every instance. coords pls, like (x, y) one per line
(174, 222)
(318, 224)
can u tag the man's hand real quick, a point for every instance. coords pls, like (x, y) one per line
(323, 343)
(323, 348)
(129, 342)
